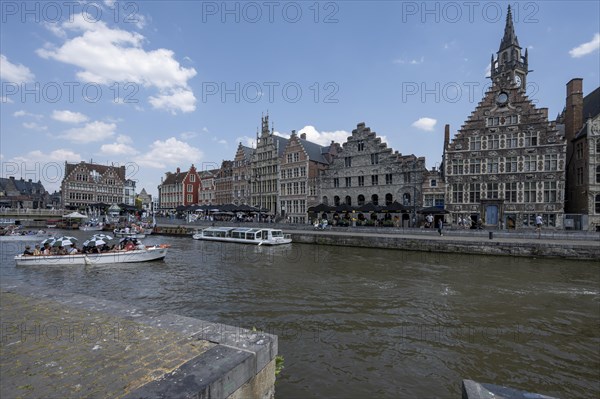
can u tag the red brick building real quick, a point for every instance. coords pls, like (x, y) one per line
(179, 188)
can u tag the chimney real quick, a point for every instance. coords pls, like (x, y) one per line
(178, 170)
(446, 136)
(303, 136)
(574, 108)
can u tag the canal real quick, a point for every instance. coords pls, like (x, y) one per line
(357, 323)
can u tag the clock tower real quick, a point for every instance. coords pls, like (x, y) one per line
(509, 69)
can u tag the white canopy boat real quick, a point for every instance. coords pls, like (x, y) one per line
(25, 236)
(244, 235)
(137, 255)
(128, 233)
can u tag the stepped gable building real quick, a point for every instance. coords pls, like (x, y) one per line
(302, 163)
(20, 193)
(85, 184)
(507, 163)
(179, 188)
(265, 169)
(581, 119)
(145, 199)
(207, 187)
(242, 171)
(366, 170)
(224, 184)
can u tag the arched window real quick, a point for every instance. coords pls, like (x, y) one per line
(361, 200)
(597, 203)
(336, 201)
(388, 199)
(598, 174)
(325, 200)
(406, 199)
(375, 199)
(348, 200)
(598, 146)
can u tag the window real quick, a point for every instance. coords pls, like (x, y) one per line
(531, 139)
(579, 172)
(296, 156)
(529, 192)
(457, 193)
(475, 143)
(512, 140)
(492, 166)
(374, 180)
(192, 178)
(598, 174)
(492, 190)
(375, 199)
(361, 200)
(289, 158)
(388, 178)
(190, 188)
(348, 182)
(361, 145)
(511, 164)
(374, 159)
(510, 192)
(475, 166)
(457, 167)
(361, 181)
(428, 200)
(348, 200)
(550, 162)
(433, 183)
(493, 142)
(336, 201)
(406, 199)
(474, 192)
(388, 199)
(597, 203)
(549, 191)
(529, 163)
(348, 162)
(598, 146)
(336, 182)
(579, 150)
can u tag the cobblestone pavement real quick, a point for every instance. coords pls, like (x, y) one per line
(51, 350)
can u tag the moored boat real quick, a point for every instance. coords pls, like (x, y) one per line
(137, 255)
(128, 233)
(244, 235)
(25, 236)
(91, 227)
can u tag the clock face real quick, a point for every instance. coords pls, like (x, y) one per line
(518, 80)
(502, 98)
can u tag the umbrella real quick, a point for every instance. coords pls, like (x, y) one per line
(101, 236)
(94, 242)
(75, 215)
(49, 240)
(64, 240)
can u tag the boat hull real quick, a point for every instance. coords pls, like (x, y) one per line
(279, 241)
(129, 235)
(91, 228)
(138, 255)
(25, 237)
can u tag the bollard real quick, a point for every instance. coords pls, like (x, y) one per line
(491, 235)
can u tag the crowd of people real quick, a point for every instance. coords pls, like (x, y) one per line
(128, 244)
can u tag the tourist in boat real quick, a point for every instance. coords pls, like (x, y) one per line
(47, 250)
(61, 251)
(73, 250)
(37, 251)
(27, 251)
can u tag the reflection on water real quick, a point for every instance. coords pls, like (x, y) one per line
(356, 323)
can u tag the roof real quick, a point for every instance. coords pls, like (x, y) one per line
(25, 187)
(591, 109)
(102, 169)
(281, 143)
(315, 151)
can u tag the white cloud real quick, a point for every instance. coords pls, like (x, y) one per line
(414, 61)
(586, 48)
(170, 152)
(427, 124)
(188, 135)
(324, 138)
(14, 73)
(22, 112)
(246, 141)
(176, 100)
(93, 131)
(61, 155)
(106, 55)
(69, 116)
(120, 147)
(34, 126)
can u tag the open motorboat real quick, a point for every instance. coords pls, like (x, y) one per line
(244, 235)
(144, 254)
(129, 233)
(19, 235)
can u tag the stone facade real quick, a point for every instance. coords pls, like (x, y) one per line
(581, 119)
(26, 194)
(85, 184)
(207, 188)
(179, 188)
(242, 171)
(129, 192)
(507, 163)
(366, 170)
(224, 183)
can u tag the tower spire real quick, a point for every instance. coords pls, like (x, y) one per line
(510, 38)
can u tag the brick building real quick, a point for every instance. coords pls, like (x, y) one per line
(85, 184)
(241, 171)
(179, 188)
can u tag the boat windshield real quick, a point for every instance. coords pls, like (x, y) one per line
(277, 233)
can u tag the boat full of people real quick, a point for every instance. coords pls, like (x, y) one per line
(17, 234)
(92, 225)
(244, 235)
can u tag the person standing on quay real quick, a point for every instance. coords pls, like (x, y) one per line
(440, 226)
(538, 225)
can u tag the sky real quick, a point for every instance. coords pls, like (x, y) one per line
(156, 85)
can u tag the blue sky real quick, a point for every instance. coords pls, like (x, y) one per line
(155, 85)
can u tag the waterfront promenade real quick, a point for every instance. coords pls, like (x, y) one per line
(551, 243)
(59, 345)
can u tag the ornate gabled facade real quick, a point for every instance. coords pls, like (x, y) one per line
(85, 184)
(265, 169)
(224, 183)
(242, 170)
(581, 119)
(179, 188)
(302, 163)
(366, 170)
(207, 187)
(507, 163)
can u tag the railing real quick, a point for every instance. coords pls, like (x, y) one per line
(31, 212)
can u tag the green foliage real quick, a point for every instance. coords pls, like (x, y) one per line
(278, 364)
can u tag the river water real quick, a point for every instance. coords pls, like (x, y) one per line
(358, 323)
